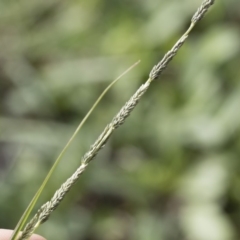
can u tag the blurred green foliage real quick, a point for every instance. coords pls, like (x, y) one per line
(172, 170)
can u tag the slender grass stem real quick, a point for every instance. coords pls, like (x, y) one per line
(45, 211)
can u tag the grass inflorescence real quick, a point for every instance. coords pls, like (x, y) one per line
(44, 212)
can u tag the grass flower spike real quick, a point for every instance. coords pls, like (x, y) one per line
(45, 211)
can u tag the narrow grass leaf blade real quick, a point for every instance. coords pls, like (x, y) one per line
(27, 212)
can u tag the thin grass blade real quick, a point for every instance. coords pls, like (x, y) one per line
(31, 205)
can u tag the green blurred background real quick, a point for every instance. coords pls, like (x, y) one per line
(172, 171)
